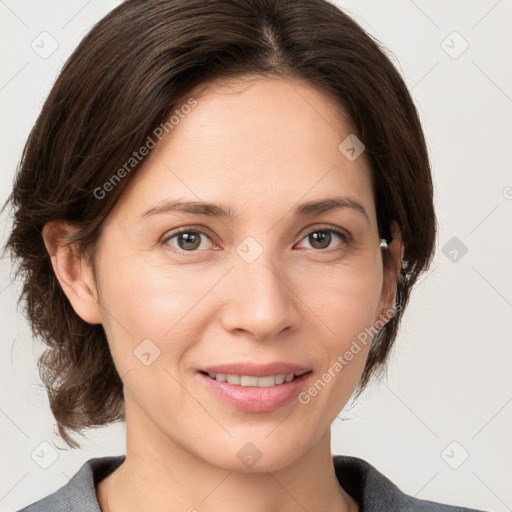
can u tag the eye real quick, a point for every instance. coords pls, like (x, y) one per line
(187, 240)
(193, 240)
(322, 238)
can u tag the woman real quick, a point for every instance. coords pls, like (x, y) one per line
(219, 216)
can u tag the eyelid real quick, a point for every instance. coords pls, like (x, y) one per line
(188, 227)
(315, 227)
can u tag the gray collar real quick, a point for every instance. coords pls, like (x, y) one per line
(370, 488)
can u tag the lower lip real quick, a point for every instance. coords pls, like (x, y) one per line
(255, 399)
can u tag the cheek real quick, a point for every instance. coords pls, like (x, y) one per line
(344, 355)
(345, 302)
(345, 311)
(142, 301)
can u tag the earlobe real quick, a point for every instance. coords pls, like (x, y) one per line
(73, 272)
(392, 272)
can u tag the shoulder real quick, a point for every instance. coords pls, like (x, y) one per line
(79, 494)
(376, 493)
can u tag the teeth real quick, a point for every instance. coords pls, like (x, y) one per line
(233, 379)
(249, 380)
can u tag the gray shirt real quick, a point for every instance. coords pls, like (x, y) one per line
(370, 488)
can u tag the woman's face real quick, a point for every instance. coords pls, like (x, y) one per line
(275, 287)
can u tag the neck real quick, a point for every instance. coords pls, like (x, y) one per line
(160, 475)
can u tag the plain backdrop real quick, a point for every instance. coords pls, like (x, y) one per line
(439, 425)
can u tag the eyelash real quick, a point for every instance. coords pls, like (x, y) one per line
(343, 236)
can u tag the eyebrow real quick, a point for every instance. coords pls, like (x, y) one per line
(310, 208)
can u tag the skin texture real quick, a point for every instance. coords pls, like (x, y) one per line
(260, 147)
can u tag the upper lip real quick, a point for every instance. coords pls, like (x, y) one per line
(256, 370)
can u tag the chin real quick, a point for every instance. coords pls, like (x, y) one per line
(258, 456)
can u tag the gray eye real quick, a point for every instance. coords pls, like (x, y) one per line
(320, 239)
(189, 241)
(186, 240)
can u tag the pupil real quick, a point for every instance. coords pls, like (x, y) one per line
(190, 241)
(318, 239)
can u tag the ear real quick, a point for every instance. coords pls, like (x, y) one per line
(395, 251)
(72, 271)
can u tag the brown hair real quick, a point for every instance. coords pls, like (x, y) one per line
(120, 84)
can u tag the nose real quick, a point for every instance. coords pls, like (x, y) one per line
(260, 300)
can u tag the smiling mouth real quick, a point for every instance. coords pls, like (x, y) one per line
(253, 381)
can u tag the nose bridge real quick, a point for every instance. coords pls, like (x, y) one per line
(262, 303)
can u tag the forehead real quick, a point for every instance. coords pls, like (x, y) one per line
(288, 94)
(257, 144)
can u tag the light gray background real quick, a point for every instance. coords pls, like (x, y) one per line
(448, 393)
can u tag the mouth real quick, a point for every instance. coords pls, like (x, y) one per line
(253, 380)
(255, 389)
